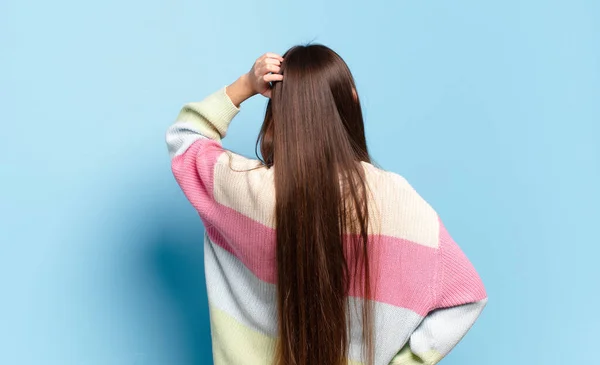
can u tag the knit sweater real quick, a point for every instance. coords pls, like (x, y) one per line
(428, 294)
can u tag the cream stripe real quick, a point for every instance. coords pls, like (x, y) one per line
(251, 193)
(396, 208)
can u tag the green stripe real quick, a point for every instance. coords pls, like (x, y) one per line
(407, 357)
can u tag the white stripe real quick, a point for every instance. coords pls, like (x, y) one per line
(234, 289)
(442, 329)
(180, 136)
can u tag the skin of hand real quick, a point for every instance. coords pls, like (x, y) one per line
(256, 81)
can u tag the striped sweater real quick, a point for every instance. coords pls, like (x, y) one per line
(428, 294)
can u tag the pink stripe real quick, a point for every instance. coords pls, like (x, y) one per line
(459, 281)
(194, 171)
(407, 270)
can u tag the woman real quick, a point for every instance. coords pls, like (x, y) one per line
(296, 241)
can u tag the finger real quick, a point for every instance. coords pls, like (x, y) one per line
(272, 77)
(274, 55)
(267, 69)
(273, 61)
(270, 68)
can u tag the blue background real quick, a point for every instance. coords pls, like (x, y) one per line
(490, 109)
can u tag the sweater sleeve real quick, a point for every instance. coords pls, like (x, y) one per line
(194, 143)
(460, 299)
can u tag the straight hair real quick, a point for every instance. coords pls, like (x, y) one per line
(313, 135)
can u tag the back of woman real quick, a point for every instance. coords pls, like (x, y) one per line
(312, 254)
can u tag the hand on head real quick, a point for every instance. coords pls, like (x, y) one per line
(264, 71)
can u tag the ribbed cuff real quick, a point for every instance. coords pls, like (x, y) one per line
(217, 110)
(221, 110)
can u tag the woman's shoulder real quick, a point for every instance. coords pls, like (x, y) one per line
(388, 181)
(401, 211)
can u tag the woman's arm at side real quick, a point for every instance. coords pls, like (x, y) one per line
(460, 299)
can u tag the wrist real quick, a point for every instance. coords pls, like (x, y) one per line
(240, 90)
(244, 80)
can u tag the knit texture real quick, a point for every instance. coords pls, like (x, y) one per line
(428, 295)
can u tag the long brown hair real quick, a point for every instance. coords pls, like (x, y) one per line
(313, 135)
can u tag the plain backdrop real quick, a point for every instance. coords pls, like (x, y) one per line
(490, 109)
